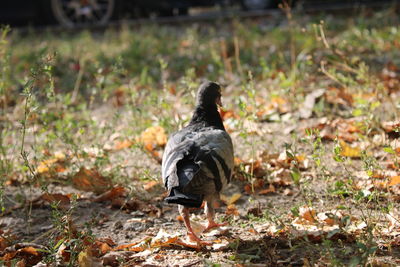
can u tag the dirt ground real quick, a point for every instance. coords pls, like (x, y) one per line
(259, 231)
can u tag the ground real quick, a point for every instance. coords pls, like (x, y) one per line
(312, 107)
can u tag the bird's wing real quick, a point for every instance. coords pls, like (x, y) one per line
(211, 149)
(178, 146)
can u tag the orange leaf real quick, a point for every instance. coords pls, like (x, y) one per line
(153, 137)
(119, 145)
(136, 249)
(238, 161)
(232, 210)
(170, 241)
(231, 200)
(131, 247)
(226, 114)
(149, 185)
(90, 180)
(179, 218)
(270, 189)
(111, 194)
(348, 151)
(394, 180)
(47, 164)
(181, 243)
(100, 248)
(29, 254)
(307, 213)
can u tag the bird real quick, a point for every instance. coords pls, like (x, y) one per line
(198, 160)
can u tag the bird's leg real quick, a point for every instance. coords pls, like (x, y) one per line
(210, 212)
(191, 234)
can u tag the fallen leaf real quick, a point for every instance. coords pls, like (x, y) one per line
(3, 243)
(349, 151)
(61, 199)
(394, 180)
(90, 180)
(270, 189)
(86, 259)
(119, 145)
(150, 185)
(232, 210)
(99, 248)
(29, 254)
(231, 200)
(114, 193)
(119, 96)
(309, 102)
(114, 258)
(307, 214)
(153, 137)
(391, 126)
(339, 96)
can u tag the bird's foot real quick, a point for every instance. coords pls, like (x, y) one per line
(195, 238)
(212, 224)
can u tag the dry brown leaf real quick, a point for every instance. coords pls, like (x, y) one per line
(63, 200)
(390, 126)
(99, 248)
(339, 96)
(308, 214)
(150, 185)
(3, 243)
(29, 254)
(119, 96)
(53, 163)
(248, 189)
(232, 210)
(90, 180)
(114, 193)
(270, 189)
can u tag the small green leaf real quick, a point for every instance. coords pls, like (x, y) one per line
(357, 112)
(388, 149)
(296, 175)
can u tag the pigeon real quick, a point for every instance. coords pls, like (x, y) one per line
(198, 160)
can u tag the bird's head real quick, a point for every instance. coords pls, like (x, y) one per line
(209, 94)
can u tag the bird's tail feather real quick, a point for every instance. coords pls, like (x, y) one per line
(187, 170)
(186, 199)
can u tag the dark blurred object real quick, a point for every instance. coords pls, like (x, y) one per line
(70, 13)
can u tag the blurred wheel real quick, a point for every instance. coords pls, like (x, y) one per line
(76, 12)
(257, 4)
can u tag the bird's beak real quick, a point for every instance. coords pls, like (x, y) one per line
(219, 102)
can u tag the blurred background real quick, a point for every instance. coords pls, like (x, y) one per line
(71, 13)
